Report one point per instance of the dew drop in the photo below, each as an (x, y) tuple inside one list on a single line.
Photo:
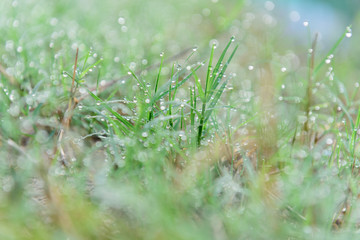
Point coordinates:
[(124, 29), (269, 5), (251, 67), (294, 16), (121, 20), (214, 43), (349, 32), (329, 141)]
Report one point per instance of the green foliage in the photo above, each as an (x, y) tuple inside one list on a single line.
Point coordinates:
[(255, 141)]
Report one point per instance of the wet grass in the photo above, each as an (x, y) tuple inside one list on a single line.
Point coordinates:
[(206, 123)]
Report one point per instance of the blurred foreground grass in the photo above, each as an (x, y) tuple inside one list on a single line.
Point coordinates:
[(169, 128)]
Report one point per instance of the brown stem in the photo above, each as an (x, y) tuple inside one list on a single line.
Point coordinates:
[(11, 79), (310, 85)]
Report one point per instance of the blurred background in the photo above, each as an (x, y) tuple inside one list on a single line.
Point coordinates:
[(38, 42)]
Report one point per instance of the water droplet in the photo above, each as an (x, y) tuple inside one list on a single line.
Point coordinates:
[(144, 134), (250, 67), (161, 54), (328, 61), (147, 100), (54, 21), (121, 20), (269, 5), (329, 141), (283, 86), (116, 59), (283, 69), (294, 16), (306, 23), (349, 32), (214, 43), (124, 29)]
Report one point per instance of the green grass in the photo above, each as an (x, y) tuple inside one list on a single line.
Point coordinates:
[(143, 120)]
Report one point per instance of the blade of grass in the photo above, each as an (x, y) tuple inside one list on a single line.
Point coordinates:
[(353, 140), (125, 122), (332, 50)]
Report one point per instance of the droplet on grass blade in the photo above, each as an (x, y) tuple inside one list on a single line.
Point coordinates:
[(214, 43), (349, 32)]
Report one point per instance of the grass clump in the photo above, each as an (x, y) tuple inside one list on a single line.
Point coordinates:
[(100, 138)]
